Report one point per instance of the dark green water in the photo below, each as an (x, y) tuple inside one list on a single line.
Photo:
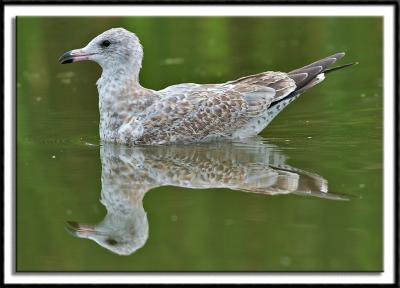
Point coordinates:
[(333, 131)]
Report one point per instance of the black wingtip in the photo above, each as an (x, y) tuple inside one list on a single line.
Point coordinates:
[(323, 63), (340, 67)]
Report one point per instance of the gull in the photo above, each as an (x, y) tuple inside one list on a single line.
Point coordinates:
[(189, 112), (248, 165)]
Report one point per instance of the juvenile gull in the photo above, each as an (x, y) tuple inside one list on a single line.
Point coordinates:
[(183, 113)]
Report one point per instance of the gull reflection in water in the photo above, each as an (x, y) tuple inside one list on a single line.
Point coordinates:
[(128, 173)]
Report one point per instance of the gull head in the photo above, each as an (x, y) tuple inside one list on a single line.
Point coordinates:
[(122, 234), (112, 49)]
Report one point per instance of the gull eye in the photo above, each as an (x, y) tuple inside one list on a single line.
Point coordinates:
[(105, 43), (111, 242)]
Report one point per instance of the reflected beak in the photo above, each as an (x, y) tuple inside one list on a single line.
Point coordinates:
[(79, 230), (73, 56)]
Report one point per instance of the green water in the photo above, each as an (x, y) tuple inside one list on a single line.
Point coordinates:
[(333, 131)]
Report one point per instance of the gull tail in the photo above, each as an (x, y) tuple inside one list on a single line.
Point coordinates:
[(309, 76), (314, 73)]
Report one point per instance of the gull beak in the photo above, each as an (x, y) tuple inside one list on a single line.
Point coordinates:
[(73, 56), (79, 230)]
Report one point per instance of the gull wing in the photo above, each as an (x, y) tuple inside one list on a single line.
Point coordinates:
[(280, 82), (192, 111)]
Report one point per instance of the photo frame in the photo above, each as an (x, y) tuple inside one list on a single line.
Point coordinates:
[(387, 10)]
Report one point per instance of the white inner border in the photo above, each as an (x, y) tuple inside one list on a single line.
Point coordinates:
[(386, 11)]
